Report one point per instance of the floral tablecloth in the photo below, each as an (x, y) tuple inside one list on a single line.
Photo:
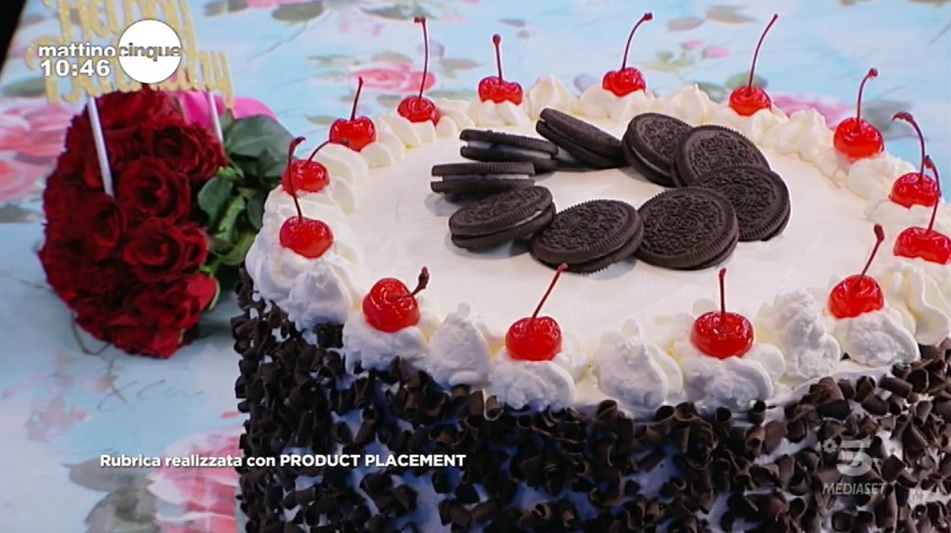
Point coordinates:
[(64, 402)]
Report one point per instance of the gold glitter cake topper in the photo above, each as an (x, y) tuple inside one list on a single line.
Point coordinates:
[(86, 21)]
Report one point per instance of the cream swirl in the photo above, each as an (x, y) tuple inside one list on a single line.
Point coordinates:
[(375, 349), (280, 206), (873, 177), (636, 372), (877, 338), (548, 92), (805, 134), (596, 102), (895, 218), (755, 127), (796, 323), (534, 384), (490, 114), (323, 294), (921, 290), (734, 382), (460, 352), (689, 104)]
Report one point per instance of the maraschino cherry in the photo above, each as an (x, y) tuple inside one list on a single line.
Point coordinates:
[(307, 175), (305, 236), (357, 132), (721, 334), (416, 108), (747, 100), (856, 138), (914, 188), (495, 88), (390, 306), (628, 79), (858, 294), (536, 338), (925, 243)]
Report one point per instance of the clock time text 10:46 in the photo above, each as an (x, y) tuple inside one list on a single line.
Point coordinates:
[(64, 68)]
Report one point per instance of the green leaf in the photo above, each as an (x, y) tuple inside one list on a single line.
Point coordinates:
[(215, 8), (24, 87), (226, 120), (396, 12), (334, 61), (728, 15), (253, 136), (255, 211), (321, 120), (451, 94), (742, 78), (396, 58), (684, 23), (665, 56), (299, 12), (518, 23), (717, 93), (232, 174), (458, 63), (238, 252), (225, 229), (213, 197)]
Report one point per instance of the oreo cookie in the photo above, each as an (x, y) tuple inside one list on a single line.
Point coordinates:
[(468, 180), (501, 218), (650, 143), (487, 145), (759, 197), (690, 228), (590, 236), (581, 145), (707, 149)]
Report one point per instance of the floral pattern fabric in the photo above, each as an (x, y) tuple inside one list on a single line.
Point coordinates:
[(63, 406)]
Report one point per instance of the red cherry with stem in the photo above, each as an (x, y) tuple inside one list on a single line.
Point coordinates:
[(307, 175), (721, 334), (628, 79), (416, 108), (536, 338), (305, 236), (856, 138), (747, 100), (390, 306), (357, 132), (914, 188), (858, 294), (925, 243), (495, 88)]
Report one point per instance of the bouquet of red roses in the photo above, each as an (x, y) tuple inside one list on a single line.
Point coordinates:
[(138, 267)]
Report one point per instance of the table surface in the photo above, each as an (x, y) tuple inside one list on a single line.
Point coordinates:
[(62, 407)]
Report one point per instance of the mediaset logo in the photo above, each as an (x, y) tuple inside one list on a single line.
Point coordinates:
[(851, 461)]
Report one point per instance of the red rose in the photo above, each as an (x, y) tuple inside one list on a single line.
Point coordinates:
[(399, 79), (177, 304), (101, 221), (187, 148), (149, 188), (148, 340), (120, 111), (80, 158), (92, 315), (62, 194), (59, 260), (158, 251)]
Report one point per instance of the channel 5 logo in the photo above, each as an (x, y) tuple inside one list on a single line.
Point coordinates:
[(852, 458)]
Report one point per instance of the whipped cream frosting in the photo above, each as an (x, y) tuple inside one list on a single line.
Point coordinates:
[(796, 340)]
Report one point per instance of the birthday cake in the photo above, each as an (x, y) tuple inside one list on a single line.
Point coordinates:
[(811, 394)]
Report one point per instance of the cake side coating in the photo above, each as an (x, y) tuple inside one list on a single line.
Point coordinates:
[(774, 467)]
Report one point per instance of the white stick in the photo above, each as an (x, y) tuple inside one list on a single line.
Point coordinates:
[(213, 109), (100, 142)]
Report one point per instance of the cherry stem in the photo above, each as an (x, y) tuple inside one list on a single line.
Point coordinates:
[(290, 161), (722, 276), (759, 45), (627, 47), (497, 42), (421, 283), (314, 153), (879, 239), (937, 180), (422, 82), (904, 115), (872, 74), (561, 268), (356, 98)]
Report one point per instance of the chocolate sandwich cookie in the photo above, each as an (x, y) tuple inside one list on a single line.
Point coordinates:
[(710, 148), (590, 236), (581, 144), (487, 145), (649, 145), (501, 218), (759, 197), (688, 229), (467, 180)]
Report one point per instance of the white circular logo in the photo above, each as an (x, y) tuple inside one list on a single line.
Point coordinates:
[(150, 51)]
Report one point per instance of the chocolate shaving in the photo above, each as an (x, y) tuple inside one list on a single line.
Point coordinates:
[(757, 413)]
